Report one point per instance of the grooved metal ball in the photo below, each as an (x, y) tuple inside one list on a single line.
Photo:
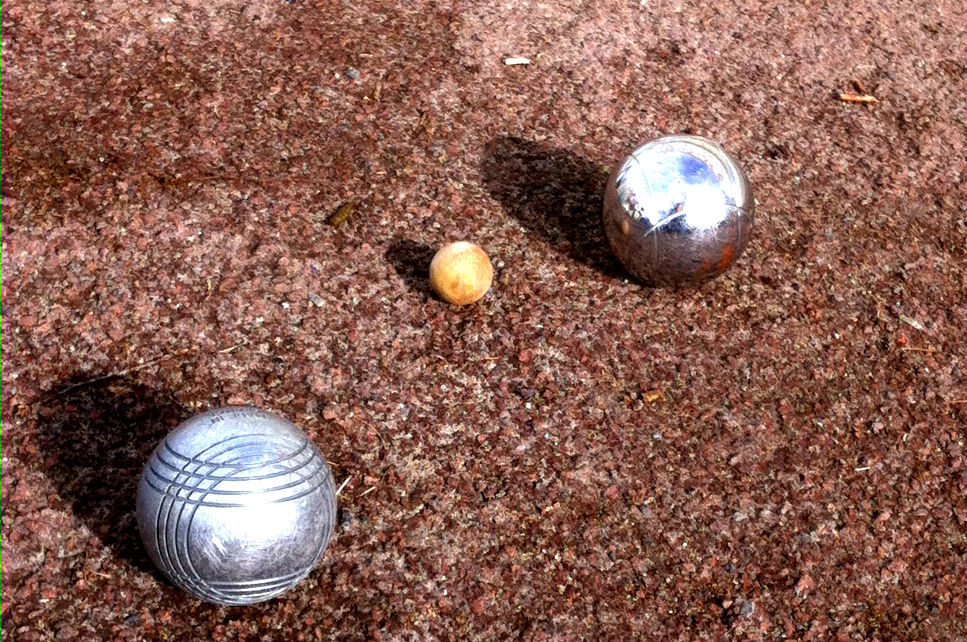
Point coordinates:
[(236, 505), (678, 211)]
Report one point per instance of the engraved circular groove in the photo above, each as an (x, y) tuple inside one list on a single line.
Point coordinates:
[(187, 497)]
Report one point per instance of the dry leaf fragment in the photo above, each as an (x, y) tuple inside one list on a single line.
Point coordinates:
[(343, 213)]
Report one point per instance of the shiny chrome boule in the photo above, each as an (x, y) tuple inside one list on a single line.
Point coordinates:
[(236, 505), (678, 211)]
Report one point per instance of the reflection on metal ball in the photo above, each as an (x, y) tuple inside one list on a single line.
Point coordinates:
[(678, 211), (236, 505)]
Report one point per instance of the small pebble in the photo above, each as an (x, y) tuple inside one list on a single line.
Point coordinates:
[(352, 73)]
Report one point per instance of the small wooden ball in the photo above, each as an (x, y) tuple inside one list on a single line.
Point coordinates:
[(460, 273)]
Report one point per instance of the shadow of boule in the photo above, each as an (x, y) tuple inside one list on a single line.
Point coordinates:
[(98, 437)]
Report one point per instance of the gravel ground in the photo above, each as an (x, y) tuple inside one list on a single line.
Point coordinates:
[(776, 455)]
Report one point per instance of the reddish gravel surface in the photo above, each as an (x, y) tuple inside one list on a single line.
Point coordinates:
[(778, 454)]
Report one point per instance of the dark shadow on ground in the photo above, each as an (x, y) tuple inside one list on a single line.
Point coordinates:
[(555, 193), (411, 260), (97, 438)]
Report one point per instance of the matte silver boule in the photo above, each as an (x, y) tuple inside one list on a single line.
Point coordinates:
[(678, 211), (236, 505)]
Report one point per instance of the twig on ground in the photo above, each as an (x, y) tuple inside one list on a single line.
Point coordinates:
[(233, 348), (117, 373), (126, 371), (847, 97), (343, 485)]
